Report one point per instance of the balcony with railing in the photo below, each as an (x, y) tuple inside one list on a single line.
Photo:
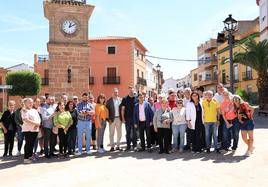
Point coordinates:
[(42, 58), (45, 81), (141, 81), (111, 80), (91, 80), (247, 75), (209, 80)]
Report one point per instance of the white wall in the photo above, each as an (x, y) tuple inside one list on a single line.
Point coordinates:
[(169, 83), (263, 6)]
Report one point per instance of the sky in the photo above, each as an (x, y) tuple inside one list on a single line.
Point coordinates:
[(170, 29)]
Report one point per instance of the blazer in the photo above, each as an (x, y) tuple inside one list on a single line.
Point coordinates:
[(148, 113), (110, 107), (191, 113), (7, 119)]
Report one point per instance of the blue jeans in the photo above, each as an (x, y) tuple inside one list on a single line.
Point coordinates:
[(130, 130), (81, 126), (211, 130), (178, 130), (20, 137), (229, 134)]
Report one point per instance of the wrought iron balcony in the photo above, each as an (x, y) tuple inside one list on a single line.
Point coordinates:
[(141, 81), (111, 80)]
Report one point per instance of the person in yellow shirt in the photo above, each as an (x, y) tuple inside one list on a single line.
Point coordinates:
[(102, 114), (211, 113)]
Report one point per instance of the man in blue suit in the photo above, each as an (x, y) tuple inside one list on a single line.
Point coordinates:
[(143, 117)]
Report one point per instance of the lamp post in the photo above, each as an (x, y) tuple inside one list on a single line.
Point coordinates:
[(230, 25), (158, 67)]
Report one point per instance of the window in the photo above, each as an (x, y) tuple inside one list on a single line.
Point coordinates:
[(0, 80), (223, 76), (111, 50), (235, 72), (137, 53), (138, 73), (195, 77), (111, 72), (142, 75), (46, 72)]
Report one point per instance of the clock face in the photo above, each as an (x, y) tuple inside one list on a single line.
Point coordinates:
[(69, 26)]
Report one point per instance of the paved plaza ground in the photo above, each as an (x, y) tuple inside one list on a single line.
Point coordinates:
[(145, 169)]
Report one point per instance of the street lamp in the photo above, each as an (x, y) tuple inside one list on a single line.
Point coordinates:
[(230, 25), (158, 67)]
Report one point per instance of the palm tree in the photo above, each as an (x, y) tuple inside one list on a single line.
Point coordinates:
[(256, 57)]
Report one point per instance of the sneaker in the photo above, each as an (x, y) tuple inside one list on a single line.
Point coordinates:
[(112, 149), (18, 153), (119, 149), (135, 149), (89, 152), (101, 151), (27, 161), (78, 154), (173, 150), (247, 153)]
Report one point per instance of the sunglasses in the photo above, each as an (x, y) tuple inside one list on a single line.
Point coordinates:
[(236, 99)]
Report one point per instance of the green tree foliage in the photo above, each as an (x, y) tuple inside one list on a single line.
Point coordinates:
[(25, 83)]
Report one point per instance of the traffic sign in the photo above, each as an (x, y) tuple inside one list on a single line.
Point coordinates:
[(6, 86)]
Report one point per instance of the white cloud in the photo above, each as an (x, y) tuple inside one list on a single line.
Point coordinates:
[(14, 24)]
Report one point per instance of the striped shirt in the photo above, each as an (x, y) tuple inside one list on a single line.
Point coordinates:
[(84, 107)]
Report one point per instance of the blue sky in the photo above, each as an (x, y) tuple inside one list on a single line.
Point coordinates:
[(172, 28)]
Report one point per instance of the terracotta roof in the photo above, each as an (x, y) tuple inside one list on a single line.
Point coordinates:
[(118, 38)]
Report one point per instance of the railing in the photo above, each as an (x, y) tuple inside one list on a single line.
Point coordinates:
[(45, 81), (141, 81), (247, 75), (111, 80), (42, 58), (91, 80)]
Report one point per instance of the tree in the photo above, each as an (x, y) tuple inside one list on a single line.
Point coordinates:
[(256, 57), (25, 83)]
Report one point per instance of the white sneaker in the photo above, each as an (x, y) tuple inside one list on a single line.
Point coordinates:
[(27, 161), (101, 151), (78, 154), (89, 152), (248, 153), (18, 153)]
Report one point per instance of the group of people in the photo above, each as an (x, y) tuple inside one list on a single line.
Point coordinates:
[(175, 122)]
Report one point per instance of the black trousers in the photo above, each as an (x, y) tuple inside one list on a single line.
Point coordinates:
[(143, 127), (163, 139), (154, 139), (9, 142), (197, 143), (93, 132), (63, 144), (30, 138), (189, 138), (48, 141), (220, 129)]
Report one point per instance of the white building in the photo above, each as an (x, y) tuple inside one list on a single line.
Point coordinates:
[(150, 77), (263, 6), (184, 82), (169, 83), (20, 67)]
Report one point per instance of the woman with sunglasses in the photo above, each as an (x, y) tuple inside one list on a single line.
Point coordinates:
[(245, 116), (194, 117), (179, 125)]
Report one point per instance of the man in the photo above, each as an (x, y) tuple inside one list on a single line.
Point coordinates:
[(143, 117), (75, 100), (64, 98), (127, 110), (19, 123), (171, 103), (219, 97), (42, 100), (211, 109), (50, 139), (189, 134), (85, 113), (113, 106), (187, 96)]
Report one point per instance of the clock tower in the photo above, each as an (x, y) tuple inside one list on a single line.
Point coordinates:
[(68, 46)]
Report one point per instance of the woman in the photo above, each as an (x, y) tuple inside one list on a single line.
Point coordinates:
[(179, 125), (30, 128), (70, 106), (194, 117), (40, 136), (161, 121), (245, 116), (180, 94), (231, 124), (93, 132), (157, 105), (101, 114), (9, 127), (62, 120)]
